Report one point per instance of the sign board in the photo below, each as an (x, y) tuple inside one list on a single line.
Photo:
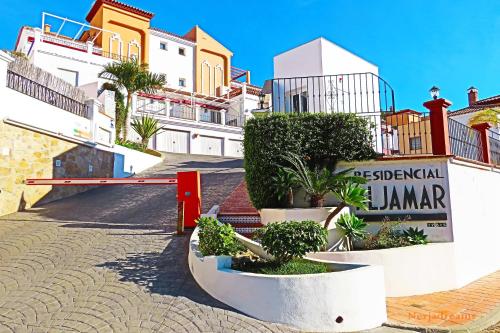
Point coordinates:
[(415, 193)]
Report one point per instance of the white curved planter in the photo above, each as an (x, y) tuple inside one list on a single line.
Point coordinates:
[(411, 270), (269, 215), (351, 298)]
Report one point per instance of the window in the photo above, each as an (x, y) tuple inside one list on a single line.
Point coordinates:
[(415, 143), (163, 46), (182, 51), (68, 76), (299, 102), (182, 82)]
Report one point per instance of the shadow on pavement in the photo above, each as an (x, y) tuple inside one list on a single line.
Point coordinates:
[(165, 273)]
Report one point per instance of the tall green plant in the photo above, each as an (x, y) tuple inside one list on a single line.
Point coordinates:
[(119, 105), (146, 127), (132, 77)]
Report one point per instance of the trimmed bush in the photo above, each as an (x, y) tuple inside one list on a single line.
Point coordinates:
[(293, 239), (217, 239), (323, 139)]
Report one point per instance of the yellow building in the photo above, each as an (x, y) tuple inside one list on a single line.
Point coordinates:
[(409, 132)]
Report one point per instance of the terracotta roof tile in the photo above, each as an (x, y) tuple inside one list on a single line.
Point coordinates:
[(482, 104), (117, 4)]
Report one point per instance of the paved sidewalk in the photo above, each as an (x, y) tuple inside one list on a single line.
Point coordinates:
[(475, 306)]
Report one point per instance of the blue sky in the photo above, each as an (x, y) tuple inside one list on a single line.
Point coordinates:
[(416, 43)]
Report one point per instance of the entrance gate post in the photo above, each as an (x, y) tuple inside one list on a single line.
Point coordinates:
[(189, 192)]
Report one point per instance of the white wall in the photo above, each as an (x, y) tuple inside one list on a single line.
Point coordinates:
[(303, 60), (308, 302), (475, 216), (170, 62), (129, 162), (411, 270)]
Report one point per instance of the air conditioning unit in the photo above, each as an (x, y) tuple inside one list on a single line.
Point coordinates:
[(222, 90)]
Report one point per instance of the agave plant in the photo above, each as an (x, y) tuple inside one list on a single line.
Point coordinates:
[(348, 194), (284, 182), (146, 127), (415, 236), (352, 228)]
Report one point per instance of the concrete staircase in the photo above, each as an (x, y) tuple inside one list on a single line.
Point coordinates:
[(238, 211)]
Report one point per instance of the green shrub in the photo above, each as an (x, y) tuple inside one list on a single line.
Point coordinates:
[(323, 138), (387, 237), (293, 267), (217, 239), (293, 239)]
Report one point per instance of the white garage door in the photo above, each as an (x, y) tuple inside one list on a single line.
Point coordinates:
[(173, 142), (234, 148), (210, 145)]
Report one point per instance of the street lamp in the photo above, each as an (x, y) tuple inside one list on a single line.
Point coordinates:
[(434, 92), (262, 96)]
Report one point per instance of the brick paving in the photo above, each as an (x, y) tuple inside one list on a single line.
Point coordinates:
[(450, 308), (108, 261)]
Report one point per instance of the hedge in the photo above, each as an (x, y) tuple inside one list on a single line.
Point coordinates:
[(323, 139)]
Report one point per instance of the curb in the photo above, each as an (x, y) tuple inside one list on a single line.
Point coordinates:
[(478, 325)]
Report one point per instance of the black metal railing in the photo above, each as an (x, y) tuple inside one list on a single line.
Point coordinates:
[(36, 90), (361, 93), (494, 147), (406, 133), (182, 111), (210, 116), (465, 141), (235, 120), (114, 56)]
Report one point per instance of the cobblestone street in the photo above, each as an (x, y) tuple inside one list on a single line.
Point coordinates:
[(108, 261)]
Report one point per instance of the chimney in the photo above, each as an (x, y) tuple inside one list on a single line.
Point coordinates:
[(46, 28), (472, 93)]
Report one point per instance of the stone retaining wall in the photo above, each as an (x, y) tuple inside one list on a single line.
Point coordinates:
[(29, 154)]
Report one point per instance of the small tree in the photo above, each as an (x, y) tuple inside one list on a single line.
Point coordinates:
[(284, 182), (133, 78), (485, 116), (146, 127)]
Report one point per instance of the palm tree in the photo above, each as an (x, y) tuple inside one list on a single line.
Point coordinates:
[(485, 116), (146, 127), (132, 77)]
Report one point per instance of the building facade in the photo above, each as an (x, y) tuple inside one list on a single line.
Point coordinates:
[(205, 101)]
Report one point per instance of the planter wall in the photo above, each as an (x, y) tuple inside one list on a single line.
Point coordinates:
[(339, 301), (268, 215), (411, 270)]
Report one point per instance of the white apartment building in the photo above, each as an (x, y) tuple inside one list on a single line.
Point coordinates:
[(204, 103)]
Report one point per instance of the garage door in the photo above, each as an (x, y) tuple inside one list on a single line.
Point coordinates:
[(234, 148), (173, 142), (210, 145)]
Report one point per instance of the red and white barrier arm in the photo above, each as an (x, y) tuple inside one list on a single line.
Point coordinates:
[(102, 181)]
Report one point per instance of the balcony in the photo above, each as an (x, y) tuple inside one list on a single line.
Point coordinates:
[(182, 110), (360, 93)]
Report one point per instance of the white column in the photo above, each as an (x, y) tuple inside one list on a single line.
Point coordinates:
[(223, 117), (90, 47), (37, 41), (167, 108), (93, 109)]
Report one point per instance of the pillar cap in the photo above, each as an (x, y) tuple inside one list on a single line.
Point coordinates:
[(437, 103), (481, 126)]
